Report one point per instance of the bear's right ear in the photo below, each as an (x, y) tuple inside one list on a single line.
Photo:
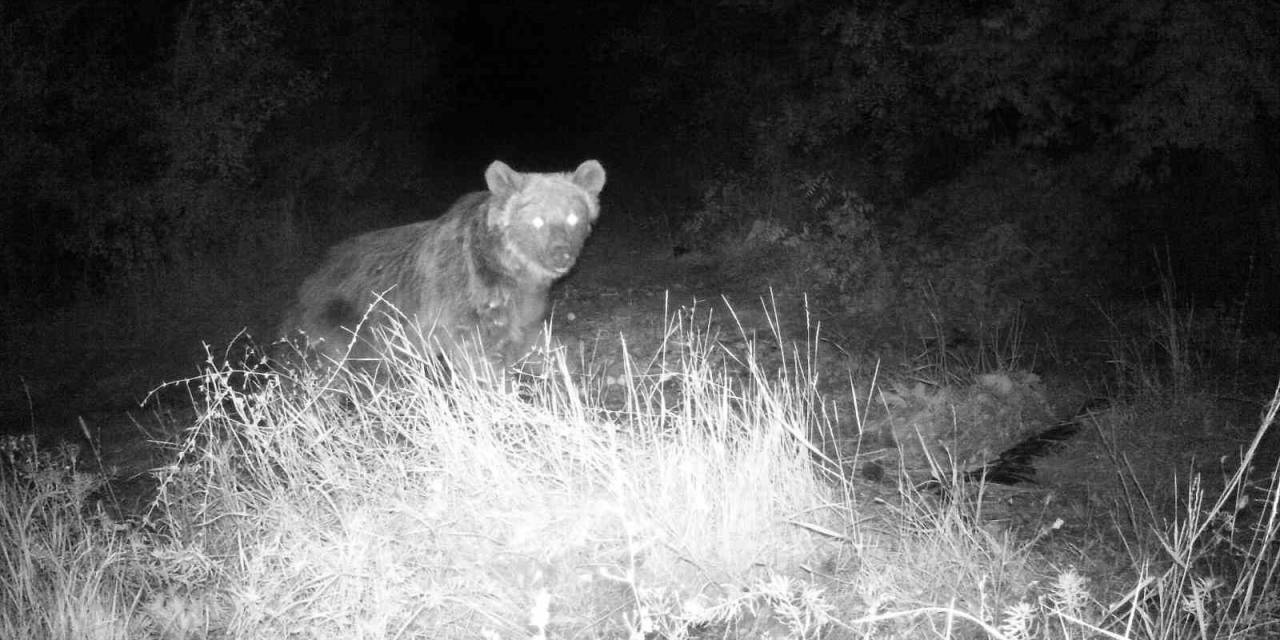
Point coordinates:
[(502, 179)]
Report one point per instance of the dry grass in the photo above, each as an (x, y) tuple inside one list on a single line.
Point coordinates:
[(332, 504)]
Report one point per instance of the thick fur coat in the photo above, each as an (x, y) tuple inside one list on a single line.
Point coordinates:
[(473, 282)]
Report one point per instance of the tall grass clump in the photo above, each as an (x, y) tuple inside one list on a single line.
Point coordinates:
[(443, 504)]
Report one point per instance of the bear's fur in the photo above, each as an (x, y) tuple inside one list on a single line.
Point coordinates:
[(473, 282)]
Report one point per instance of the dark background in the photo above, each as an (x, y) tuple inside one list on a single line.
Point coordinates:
[(214, 147)]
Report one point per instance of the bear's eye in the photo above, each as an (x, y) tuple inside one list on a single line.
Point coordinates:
[(572, 220), (537, 222)]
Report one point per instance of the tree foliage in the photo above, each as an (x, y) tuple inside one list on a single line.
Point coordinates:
[(65, 121), (1128, 103), (139, 140), (1125, 82)]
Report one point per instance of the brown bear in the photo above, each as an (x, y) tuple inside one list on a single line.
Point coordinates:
[(472, 283)]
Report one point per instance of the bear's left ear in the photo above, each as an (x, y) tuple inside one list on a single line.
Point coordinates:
[(502, 179), (590, 176)]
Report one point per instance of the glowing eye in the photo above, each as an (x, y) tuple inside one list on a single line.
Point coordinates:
[(572, 220), (537, 223)]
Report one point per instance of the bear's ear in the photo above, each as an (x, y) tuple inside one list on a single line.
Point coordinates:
[(590, 176), (502, 179)]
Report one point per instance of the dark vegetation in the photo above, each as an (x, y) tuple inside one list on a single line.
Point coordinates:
[(939, 172), (1027, 150)]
